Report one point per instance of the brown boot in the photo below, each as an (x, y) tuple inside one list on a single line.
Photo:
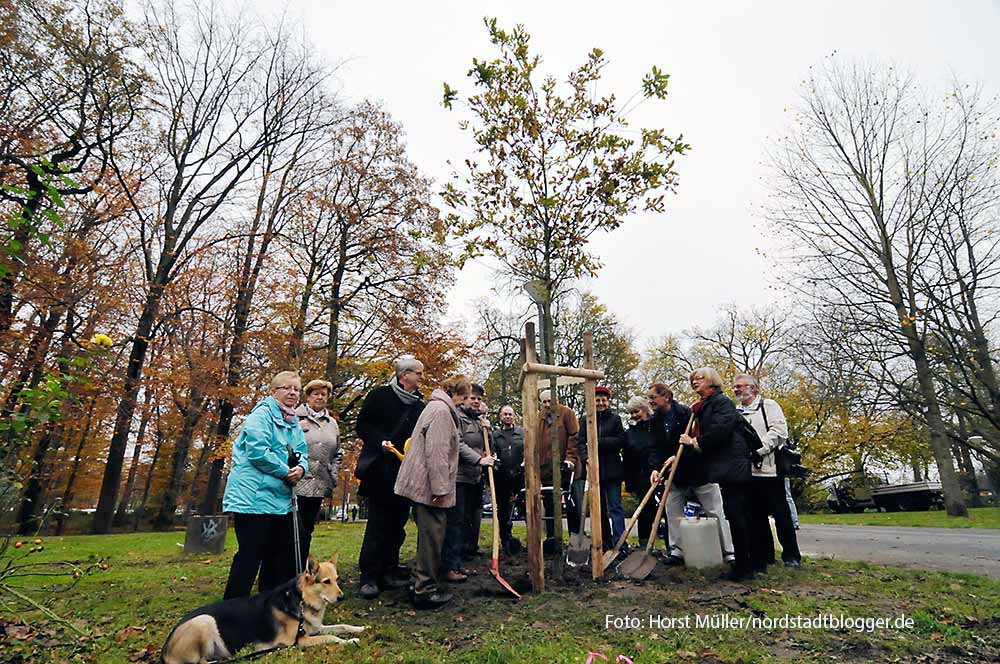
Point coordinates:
[(454, 576)]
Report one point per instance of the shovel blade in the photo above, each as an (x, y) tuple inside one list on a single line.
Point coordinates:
[(638, 565), (578, 552), (495, 571)]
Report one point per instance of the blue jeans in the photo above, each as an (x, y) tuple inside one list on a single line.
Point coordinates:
[(791, 503), (612, 493)]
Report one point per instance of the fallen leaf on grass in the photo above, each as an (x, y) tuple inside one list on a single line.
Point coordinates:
[(459, 618), (937, 636), (971, 619), (144, 655), (687, 654), (955, 586)]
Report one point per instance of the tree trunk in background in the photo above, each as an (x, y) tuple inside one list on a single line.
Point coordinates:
[(67, 497), (123, 504)]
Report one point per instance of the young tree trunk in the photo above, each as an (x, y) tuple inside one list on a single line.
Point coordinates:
[(140, 512), (27, 523), (124, 503), (67, 497), (165, 517)]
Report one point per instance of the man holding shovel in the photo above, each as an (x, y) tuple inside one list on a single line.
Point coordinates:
[(669, 419)]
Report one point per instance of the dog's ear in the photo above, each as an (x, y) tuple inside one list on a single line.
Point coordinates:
[(333, 558), (312, 566)]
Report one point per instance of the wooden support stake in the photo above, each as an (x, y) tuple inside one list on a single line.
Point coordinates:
[(532, 481), (593, 464)]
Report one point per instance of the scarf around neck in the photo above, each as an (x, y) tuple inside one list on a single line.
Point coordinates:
[(408, 398)]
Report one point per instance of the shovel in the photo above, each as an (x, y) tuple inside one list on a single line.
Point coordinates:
[(495, 560), (579, 543), (640, 563), (609, 556)]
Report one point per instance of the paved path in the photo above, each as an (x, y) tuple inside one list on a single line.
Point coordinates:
[(968, 550)]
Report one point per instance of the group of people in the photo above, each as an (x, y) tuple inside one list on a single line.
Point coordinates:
[(428, 458)]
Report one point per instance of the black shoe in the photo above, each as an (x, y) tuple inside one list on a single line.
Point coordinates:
[(673, 561), (738, 575), (434, 600), (369, 591), (394, 583), (760, 569), (793, 563)]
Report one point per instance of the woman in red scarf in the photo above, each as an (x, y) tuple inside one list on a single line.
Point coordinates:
[(719, 440)]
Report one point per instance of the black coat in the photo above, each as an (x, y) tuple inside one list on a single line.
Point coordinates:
[(691, 470), (610, 442), (723, 444), (383, 416), (510, 450), (639, 456)]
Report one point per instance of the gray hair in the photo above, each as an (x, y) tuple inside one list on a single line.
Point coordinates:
[(406, 363), (282, 376), (709, 374), (639, 403), (750, 380)]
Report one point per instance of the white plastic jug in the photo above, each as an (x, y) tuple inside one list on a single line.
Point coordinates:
[(700, 540)]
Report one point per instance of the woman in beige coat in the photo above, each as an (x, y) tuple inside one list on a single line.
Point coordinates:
[(323, 437), (427, 477)]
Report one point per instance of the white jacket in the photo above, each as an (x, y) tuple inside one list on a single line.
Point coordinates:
[(773, 435)]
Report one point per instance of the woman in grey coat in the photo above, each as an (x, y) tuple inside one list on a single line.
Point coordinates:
[(323, 438), (427, 477)]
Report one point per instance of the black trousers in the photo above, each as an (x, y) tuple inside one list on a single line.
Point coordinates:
[(506, 491), (768, 499), (456, 539), (736, 503), (384, 535), (264, 545), (308, 511)]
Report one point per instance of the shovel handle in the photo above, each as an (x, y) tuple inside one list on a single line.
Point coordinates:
[(666, 490), (493, 498)]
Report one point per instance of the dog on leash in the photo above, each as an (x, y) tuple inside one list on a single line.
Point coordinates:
[(267, 620)]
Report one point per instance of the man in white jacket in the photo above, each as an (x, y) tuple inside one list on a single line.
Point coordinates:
[(767, 489)]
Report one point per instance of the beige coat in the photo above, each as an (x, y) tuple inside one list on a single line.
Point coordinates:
[(323, 437), (431, 462)]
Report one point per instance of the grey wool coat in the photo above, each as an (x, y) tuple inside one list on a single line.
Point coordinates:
[(431, 462)]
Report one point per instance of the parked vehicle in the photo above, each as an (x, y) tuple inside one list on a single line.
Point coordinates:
[(853, 496)]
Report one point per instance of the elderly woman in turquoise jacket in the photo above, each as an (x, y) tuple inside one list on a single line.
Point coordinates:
[(259, 489)]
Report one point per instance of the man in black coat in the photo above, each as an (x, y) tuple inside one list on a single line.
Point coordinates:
[(610, 443), (509, 476), (670, 419), (386, 420)]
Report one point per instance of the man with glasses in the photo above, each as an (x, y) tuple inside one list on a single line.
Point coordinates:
[(670, 419), (386, 420), (767, 489)]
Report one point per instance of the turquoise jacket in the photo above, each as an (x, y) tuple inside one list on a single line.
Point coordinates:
[(260, 462)]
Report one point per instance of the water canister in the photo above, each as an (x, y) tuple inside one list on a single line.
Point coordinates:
[(700, 540)]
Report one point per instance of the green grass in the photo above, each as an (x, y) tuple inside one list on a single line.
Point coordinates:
[(129, 609), (979, 517)]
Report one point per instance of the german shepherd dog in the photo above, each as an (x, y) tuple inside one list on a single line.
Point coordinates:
[(267, 620)]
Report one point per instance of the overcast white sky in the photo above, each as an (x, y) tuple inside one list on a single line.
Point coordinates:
[(734, 66)]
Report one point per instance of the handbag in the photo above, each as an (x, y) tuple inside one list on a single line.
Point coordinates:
[(786, 460)]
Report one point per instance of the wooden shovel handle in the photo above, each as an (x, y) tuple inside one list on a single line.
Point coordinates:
[(493, 498), (666, 489)]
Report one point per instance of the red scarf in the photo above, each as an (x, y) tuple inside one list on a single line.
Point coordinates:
[(696, 408)]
